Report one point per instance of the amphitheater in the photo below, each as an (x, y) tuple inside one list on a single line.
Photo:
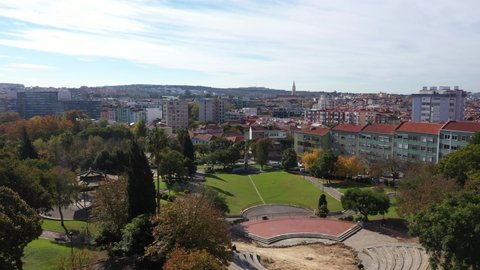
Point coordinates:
[(268, 225)]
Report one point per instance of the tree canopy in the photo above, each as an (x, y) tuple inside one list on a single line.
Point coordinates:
[(289, 159), (459, 164), (19, 225), (324, 166), (191, 223), (366, 202), (449, 231)]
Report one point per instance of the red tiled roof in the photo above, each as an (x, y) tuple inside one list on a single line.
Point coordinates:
[(462, 126), (205, 137), (380, 128), (235, 138), (315, 130), (348, 127), (420, 127)]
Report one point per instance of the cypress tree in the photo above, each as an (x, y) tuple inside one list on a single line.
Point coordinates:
[(141, 190), (27, 150)]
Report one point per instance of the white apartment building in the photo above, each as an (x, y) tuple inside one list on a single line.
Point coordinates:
[(438, 104), (175, 113), (212, 110)]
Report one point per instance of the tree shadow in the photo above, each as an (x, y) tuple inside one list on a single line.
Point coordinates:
[(214, 176), (394, 227), (219, 190)]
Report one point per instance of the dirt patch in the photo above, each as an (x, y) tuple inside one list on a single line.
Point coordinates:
[(303, 257)]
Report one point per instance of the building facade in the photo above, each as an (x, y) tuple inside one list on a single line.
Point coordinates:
[(438, 104), (307, 139), (212, 110), (41, 103), (375, 141), (175, 113), (416, 141), (455, 135), (344, 139)]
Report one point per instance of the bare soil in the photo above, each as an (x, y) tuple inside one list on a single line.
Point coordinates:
[(303, 257)]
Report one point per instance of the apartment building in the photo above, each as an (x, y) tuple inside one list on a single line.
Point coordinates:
[(375, 141), (175, 113), (309, 138), (415, 141), (455, 135), (212, 110), (438, 104), (344, 139)]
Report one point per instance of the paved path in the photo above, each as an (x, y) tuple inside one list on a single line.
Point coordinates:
[(254, 186), (329, 190)]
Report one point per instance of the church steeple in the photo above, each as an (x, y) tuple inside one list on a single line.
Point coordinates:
[(294, 89)]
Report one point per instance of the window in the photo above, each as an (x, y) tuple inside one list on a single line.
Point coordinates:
[(447, 136), (455, 137)]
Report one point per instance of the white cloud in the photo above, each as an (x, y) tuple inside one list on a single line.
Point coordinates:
[(326, 44), (29, 66)]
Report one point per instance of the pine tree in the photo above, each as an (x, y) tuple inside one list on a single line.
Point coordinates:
[(188, 150), (27, 150), (141, 190)]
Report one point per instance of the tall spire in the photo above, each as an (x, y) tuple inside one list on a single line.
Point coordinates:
[(294, 89)]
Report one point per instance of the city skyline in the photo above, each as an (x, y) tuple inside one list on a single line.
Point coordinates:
[(356, 47)]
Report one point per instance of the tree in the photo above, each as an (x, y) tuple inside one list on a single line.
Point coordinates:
[(218, 200), (191, 223), (324, 166), (475, 138), (19, 225), (140, 129), (308, 158), (366, 202), (420, 188), (141, 191), (173, 165), (156, 145), (181, 259), (449, 231), (26, 148), (262, 147), (110, 209), (348, 166), (459, 164), (323, 206), (64, 190), (29, 178), (136, 235), (188, 150), (289, 159)]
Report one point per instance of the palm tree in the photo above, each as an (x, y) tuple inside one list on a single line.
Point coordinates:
[(156, 146)]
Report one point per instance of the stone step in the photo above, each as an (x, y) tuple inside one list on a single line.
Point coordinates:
[(394, 257)]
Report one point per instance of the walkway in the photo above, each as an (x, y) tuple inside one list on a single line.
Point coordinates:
[(329, 190)]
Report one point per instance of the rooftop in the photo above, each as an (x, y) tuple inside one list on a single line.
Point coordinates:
[(420, 127), (381, 128), (462, 126), (348, 127)]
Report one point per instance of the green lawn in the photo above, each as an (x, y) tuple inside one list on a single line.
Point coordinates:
[(283, 187), (43, 254), (76, 225), (238, 190), (274, 187)]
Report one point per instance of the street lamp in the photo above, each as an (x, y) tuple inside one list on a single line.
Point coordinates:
[(71, 246)]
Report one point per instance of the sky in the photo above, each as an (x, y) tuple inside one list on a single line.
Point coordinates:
[(323, 45)]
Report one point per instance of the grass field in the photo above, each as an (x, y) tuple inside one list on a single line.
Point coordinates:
[(43, 254), (76, 225), (274, 187)]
